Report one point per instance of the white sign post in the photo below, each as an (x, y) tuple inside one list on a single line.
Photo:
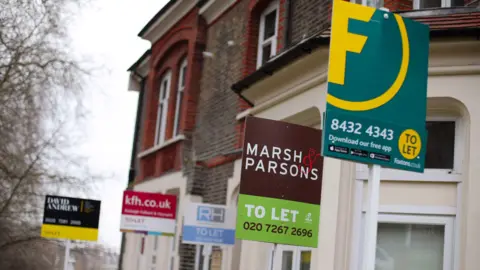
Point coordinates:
[(66, 260), (207, 252), (371, 219)]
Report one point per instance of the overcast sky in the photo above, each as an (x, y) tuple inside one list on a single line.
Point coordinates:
[(108, 31)]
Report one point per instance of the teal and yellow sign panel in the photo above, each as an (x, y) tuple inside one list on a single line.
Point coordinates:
[(377, 88)]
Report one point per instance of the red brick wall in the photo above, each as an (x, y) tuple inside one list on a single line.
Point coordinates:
[(184, 40), (397, 5)]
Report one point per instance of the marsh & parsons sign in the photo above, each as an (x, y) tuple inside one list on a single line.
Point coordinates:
[(377, 88), (280, 186)]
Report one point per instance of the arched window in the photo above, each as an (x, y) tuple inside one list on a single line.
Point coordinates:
[(182, 73), (162, 109)]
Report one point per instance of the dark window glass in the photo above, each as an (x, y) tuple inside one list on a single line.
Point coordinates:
[(270, 21), (267, 50), (440, 145), (458, 3), (182, 79), (164, 89), (160, 113), (430, 3), (179, 104)]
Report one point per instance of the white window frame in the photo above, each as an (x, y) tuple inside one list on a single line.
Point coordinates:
[(182, 73), (273, 6), (453, 214), (429, 175), (297, 251), (447, 221), (161, 125)]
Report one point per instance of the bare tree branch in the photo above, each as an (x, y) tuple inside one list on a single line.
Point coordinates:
[(41, 95)]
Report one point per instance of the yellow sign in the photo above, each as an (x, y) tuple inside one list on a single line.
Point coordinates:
[(343, 41), (409, 144), (69, 232)]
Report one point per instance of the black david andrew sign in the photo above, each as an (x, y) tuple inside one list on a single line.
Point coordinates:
[(70, 218)]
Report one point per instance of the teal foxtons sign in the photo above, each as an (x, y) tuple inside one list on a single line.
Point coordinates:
[(281, 183), (377, 88)]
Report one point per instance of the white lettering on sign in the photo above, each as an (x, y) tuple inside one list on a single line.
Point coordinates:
[(210, 232), (136, 201), (279, 163), (285, 215), (259, 210), (61, 205)]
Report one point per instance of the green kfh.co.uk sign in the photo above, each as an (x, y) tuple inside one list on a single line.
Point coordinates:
[(280, 184), (377, 88)]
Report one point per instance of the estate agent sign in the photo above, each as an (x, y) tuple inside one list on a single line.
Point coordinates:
[(70, 218), (281, 181), (148, 213), (377, 88), (209, 224)]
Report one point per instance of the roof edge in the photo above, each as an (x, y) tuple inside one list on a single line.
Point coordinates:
[(433, 12), (307, 46), (157, 16), (144, 56)]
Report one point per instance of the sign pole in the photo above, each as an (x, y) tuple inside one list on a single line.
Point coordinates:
[(371, 220), (207, 251), (274, 251), (66, 260)]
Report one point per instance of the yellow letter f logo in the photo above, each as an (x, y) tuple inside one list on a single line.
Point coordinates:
[(341, 40)]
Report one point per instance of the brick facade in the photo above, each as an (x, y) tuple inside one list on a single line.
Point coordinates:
[(216, 136), (185, 40), (308, 17)]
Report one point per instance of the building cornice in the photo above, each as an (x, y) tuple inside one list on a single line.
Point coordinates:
[(215, 8), (166, 18)]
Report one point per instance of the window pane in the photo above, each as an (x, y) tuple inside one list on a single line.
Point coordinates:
[(409, 247), (164, 90), (270, 20), (458, 3), (183, 75), (178, 113), (440, 145), (287, 260), (159, 121), (267, 50), (305, 257), (430, 3)]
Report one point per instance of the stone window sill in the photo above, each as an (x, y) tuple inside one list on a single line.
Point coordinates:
[(161, 146)]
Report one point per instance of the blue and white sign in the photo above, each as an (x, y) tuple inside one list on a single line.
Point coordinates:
[(209, 224)]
